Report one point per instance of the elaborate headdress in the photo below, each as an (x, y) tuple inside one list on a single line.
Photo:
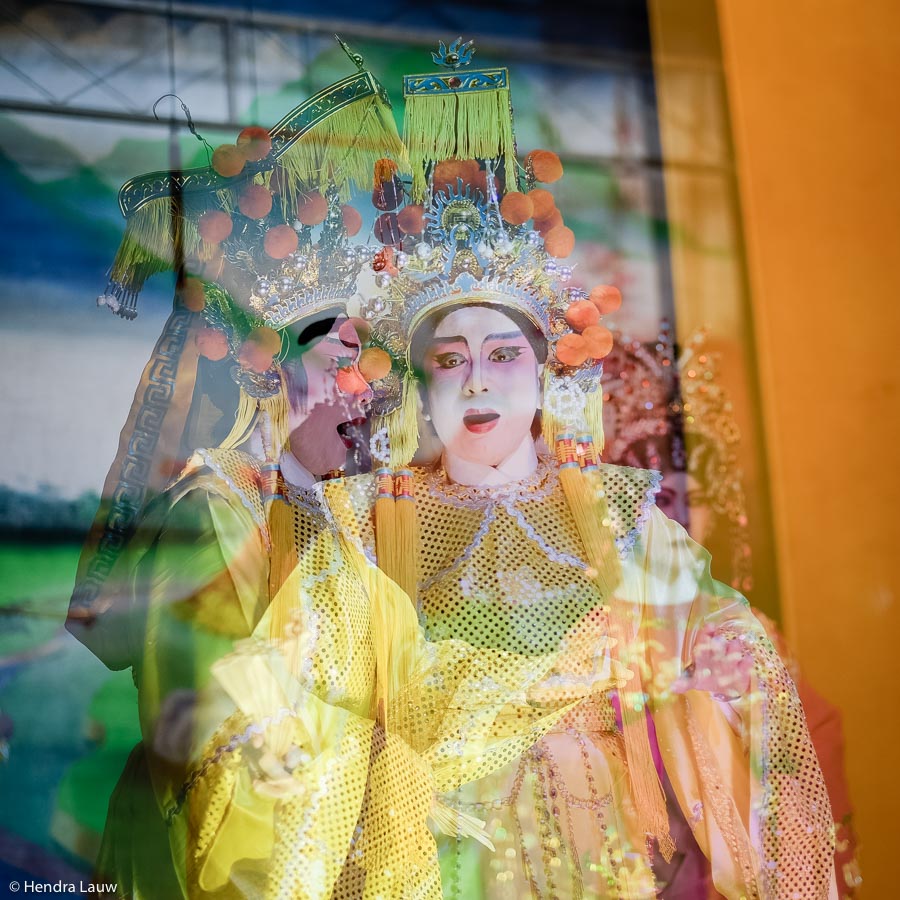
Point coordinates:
[(476, 228), (260, 240)]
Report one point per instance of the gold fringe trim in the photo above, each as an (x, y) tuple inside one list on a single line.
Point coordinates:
[(247, 416), (341, 149), (244, 421), (148, 244), (475, 125), (344, 148)]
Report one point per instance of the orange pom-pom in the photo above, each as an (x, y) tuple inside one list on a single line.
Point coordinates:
[(479, 183), (387, 229), (543, 226), (252, 356), (572, 350), (450, 171), (374, 363), (516, 208), (385, 170), (255, 202), (352, 220), (192, 294), (312, 209), (411, 219), (543, 202), (349, 380), (214, 226), (212, 344), (582, 314), (280, 241), (228, 161), (599, 341), (266, 339), (559, 241), (545, 165), (254, 142), (606, 298)]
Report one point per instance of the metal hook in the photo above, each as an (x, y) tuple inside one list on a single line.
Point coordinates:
[(187, 114)]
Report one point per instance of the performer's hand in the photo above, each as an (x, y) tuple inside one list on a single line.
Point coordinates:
[(720, 667)]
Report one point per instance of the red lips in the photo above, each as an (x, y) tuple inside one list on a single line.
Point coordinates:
[(480, 421)]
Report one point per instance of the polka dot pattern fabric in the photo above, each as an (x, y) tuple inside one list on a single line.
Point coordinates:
[(503, 570)]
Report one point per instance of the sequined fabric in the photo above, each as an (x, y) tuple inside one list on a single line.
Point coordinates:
[(504, 570), (345, 727)]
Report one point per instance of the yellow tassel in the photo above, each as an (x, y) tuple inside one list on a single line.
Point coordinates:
[(593, 417), (283, 561), (590, 421), (587, 501), (394, 623), (385, 521), (244, 422), (402, 424), (586, 498), (476, 125), (341, 149), (550, 425), (279, 418), (406, 551), (649, 799), (247, 416), (454, 822)]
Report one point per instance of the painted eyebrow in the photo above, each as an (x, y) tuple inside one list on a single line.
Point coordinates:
[(459, 339), (505, 336)]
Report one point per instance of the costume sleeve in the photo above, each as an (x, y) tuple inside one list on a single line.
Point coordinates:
[(189, 583), (197, 553), (745, 772), (299, 781), (200, 586), (299, 794)]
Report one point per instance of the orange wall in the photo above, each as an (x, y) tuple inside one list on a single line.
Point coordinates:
[(812, 96)]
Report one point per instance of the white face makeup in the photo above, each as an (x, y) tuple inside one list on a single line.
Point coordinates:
[(336, 399), (483, 385)]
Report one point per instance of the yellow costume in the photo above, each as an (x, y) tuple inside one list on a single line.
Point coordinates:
[(346, 724), (563, 557), (503, 567)]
